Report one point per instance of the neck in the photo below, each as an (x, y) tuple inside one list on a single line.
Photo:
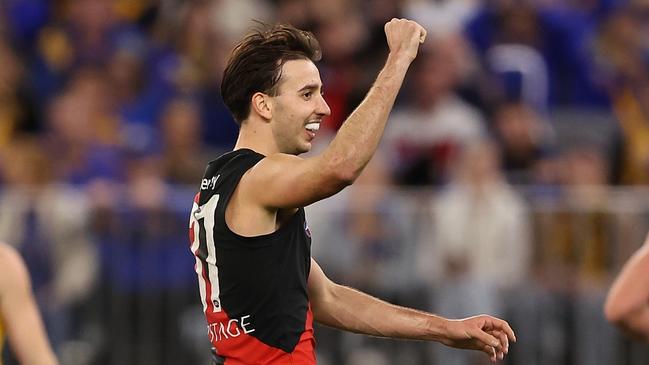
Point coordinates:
[(257, 136)]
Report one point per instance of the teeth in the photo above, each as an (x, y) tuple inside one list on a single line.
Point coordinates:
[(313, 127)]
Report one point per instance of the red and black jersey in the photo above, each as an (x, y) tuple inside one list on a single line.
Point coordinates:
[(253, 289)]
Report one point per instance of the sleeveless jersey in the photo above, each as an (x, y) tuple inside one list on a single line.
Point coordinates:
[(253, 289)]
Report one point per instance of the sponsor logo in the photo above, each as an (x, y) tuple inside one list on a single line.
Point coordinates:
[(220, 331), (209, 183)]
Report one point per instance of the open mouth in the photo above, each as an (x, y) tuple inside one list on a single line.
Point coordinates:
[(313, 127)]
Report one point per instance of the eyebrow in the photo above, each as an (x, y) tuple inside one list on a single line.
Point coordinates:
[(310, 87)]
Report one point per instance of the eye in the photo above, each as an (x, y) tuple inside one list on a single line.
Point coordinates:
[(307, 95)]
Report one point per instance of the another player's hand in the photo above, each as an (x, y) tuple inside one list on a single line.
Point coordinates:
[(404, 37), (483, 333)]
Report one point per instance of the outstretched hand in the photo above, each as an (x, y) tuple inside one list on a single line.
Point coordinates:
[(483, 333)]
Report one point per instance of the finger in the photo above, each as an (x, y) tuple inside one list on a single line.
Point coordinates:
[(502, 336), (491, 352), (387, 25), (504, 349), (485, 338), (499, 324), (422, 35)]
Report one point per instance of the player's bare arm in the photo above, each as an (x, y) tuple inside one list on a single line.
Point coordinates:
[(286, 181), (26, 333), (348, 309), (627, 304)]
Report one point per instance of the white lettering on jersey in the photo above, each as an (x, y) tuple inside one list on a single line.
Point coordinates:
[(209, 183), (220, 331), (206, 212)]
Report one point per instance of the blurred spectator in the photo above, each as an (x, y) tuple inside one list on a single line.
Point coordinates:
[(571, 241), (477, 218), (587, 127), (586, 173), (48, 225), (192, 67), (441, 17), (26, 174), (24, 19), (426, 134), (525, 141), (573, 256), (367, 241), (233, 17), (559, 33), (84, 133), (128, 81), (521, 74), (53, 59), (371, 229), (17, 109), (146, 279), (90, 25), (295, 12), (623, 53), (184, 157), (342, 34), (479, 247), (377, 228)]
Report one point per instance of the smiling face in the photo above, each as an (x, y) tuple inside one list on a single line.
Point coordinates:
[(298, 107)]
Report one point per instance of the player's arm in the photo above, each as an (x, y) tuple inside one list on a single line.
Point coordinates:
[(284, 181), (351, 310), (627, 304), (25, 330)]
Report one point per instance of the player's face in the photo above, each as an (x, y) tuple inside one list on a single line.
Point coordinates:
[(299, 107)]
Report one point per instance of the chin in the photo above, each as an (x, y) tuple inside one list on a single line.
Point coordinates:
[(303, 148)]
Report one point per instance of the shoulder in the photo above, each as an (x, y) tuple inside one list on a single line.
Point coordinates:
[(232, 162), (268, 168), (276, 161), (272, 164), (276, 177)]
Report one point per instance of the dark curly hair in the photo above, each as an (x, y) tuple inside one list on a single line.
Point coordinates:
[(255, 64)]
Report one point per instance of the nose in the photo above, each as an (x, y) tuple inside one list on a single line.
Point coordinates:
[(323, 108)]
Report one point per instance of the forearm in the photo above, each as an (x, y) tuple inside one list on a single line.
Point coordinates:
[(359, 136), (636, 323), (348, 309), (354, 311), (28, 338), (627, 304)]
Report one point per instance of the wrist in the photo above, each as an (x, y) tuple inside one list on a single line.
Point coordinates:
[(399, 60), (438, 329)]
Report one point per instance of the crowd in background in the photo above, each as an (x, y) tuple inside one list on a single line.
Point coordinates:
[(492, 184)]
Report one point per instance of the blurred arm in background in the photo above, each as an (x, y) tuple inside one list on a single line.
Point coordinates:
[(19, 313), (627, 304)]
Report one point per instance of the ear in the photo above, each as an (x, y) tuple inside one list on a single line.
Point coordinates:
[(261, 104)]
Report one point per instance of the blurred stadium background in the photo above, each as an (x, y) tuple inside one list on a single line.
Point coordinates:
[(512, 178)]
